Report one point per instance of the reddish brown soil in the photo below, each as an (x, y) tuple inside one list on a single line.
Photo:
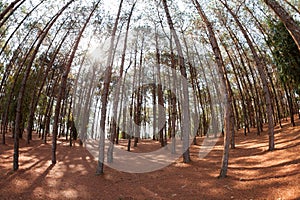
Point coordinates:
[(253, 173)]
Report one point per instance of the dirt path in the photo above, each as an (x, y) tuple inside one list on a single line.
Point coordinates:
[(254, 173)]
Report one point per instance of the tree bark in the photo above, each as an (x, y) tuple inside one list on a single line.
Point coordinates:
[(63, 85), (185, 104), (225, 86), (6, 12), (262, 75), (18, 121), (104, 96), (287, 20)]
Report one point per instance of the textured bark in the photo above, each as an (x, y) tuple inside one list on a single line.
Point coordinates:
[(19, 25), (18, 121), (263, 78), (287, 20), (104, 96), (226, 87), (63, 84), (185, 104), (8, 11)]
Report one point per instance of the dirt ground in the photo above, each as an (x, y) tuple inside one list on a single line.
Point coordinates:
[(253, 173)]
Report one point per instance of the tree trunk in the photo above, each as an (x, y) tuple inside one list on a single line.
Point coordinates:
[(228, 99), (139, 99), (34, 101), (24, 82), (290, 103), (6, 12), (287, 20), (104, 96), (159, 89), (263, 77), (7, 72), (63, 85), (185, 104), (114, 134), (19, 25)]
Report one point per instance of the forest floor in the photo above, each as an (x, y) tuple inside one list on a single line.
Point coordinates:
[(253, 173)]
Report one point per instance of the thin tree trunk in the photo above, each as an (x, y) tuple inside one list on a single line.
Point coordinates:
[(19, 25), (159, 89), (185, 104), (290, 103), (104, 97), (139, 99), (117, 92), (37, 95), (262, 76), (173, 99), (9, 10), (63, 84), (18, 121), (228, 99)]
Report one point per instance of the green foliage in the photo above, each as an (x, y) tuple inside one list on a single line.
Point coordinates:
[(285, 53)]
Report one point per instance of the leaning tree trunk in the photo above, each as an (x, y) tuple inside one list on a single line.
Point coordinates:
[(231, 94), (228, 99), (7, 72), (262, 75), (63, 85), (292, 6), (263, 31), (186, 130), (21, 93), (37, 94), (19, 25), (287, 20), (104, 96), (8, 11)]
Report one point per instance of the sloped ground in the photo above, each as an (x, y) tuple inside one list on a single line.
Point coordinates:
[(254, 173)]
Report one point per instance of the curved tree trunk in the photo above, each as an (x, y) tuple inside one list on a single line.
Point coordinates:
[(185, 104), (7, 73), (104, 96), (37, 94), (6, 12), (18, 120), (287, 20), (262, 75), (63, 84), (19, 25), (229, 125)]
